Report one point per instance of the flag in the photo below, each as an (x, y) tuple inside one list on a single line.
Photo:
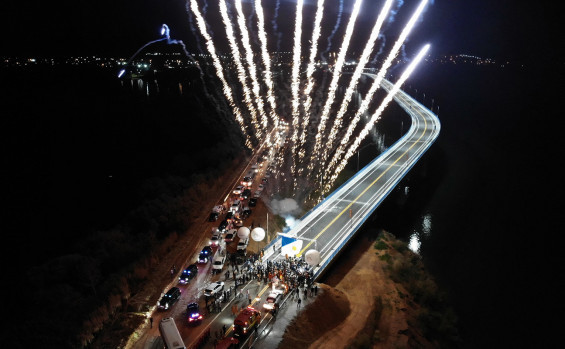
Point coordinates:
[(290, 246)]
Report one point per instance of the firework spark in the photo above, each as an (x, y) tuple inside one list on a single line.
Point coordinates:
[(228, 93), (369, 97), (251, 65), (266, 62), (356, 76), (309, 72), (295, 83), (376, 116), (334, 83)]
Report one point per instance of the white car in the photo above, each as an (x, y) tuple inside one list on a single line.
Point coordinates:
[(273, 300), (238, 189), (213, 289), (257, 194), (242, 244), (236, 206), (216, 239)]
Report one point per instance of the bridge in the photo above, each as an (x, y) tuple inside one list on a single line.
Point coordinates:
[(329, 226)]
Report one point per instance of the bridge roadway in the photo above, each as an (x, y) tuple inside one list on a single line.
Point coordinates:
[(329, 226)]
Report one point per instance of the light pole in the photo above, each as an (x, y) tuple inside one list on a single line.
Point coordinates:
[(358, 151)]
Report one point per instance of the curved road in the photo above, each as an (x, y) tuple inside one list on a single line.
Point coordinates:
[(329, 225)]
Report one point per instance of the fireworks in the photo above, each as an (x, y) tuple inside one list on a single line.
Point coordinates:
[(254, 100), (333, 85), (369, 97)]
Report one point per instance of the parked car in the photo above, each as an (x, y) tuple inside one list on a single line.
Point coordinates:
[(193, 314), (218, 262), (205, 254), (242, 244), (236, 206), (170, 298), (252, 202), (238, 189), (216, 239), (247, 181), (188, 274), (229, 216), (213, 216), (223, 225), (246, 213), (213, 289), (246, 194), (230, 235), (273, 301)]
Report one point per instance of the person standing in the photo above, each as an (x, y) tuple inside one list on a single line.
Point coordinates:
[(299, 301), (151, 322)]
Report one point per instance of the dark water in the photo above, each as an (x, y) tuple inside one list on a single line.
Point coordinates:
[(78, 145), (482, 202)]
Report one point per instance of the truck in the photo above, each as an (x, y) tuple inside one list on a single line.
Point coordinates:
[(246, 321), (218, 261)]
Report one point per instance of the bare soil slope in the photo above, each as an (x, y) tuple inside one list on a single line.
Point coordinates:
[(378, 313)]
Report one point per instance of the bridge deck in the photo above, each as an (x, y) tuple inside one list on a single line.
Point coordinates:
[(330, 225)]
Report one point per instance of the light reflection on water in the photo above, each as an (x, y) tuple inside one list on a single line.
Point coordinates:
[(423, 232), (414, 243)]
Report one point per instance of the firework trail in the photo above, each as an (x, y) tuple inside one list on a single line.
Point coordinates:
[(336, 26), (309, 72), (251, 65), (228, 93), (295, 82), (356, 76), (275, 25), (242, 75), (380, 75), (333, 84), (266, 62), (376, 116)]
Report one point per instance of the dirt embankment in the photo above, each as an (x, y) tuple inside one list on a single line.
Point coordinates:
[(330, 308), (360, 307)]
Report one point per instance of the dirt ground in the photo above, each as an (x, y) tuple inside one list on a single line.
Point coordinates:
[(344, 309)]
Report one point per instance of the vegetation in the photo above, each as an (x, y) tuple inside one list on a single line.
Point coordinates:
[(71, 297), (435, 319)]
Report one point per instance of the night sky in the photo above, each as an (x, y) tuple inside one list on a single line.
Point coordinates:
[(500, 29)]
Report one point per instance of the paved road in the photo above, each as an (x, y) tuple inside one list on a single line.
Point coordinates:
[(328, 226)]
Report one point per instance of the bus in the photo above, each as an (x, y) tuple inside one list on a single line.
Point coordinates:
[(170, 334)]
